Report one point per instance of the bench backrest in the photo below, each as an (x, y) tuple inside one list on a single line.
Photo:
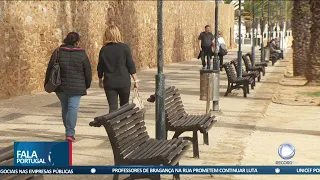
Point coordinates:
[(235, 64), (246, 62), (174, 108), (126, 130), (232, 76), (249, 55)]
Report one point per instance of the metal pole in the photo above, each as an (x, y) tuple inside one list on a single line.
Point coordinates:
[(268, 20), (253, 39), (160, 81), (215, 81), (239, 72), (262, 32)]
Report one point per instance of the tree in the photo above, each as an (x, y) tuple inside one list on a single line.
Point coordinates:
[(313, 73), (301, 36)]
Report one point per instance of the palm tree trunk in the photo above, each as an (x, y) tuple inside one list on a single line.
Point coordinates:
[(301, 22), (313, 73)]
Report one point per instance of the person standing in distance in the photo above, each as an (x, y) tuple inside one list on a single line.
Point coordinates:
[(115, 67), (205, 43), (76, 77)]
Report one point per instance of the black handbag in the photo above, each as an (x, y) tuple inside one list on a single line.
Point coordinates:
[(223, 50), (54, 78)]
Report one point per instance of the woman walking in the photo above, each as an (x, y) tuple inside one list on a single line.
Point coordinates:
[(222, 49), (115, 68), (76, 76)]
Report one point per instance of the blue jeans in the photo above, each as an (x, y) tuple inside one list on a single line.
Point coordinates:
[(69, 105)]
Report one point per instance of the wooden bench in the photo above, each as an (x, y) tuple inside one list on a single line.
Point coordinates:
[(252, 74), (235, 82), (7, 159), (249, 66), (263, 63), (132, 145), (179, 121)]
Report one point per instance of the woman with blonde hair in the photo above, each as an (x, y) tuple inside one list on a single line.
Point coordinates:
[(115, 68)]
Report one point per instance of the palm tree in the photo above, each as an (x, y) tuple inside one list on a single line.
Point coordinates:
[(313, 73), (301, 36)]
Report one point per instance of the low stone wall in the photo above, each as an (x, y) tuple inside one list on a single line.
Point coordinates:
[(31, 30)]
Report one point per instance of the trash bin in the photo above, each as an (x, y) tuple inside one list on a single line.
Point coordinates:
[(205, 82)]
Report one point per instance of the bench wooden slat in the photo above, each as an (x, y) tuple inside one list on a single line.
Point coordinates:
[(168, 100), (116, 113), (122, 116), (132, 130), (174, 111), (136, 145), (136, 154), (150, 150), (174, 117), (130, 122), (123, 122), (136, 136), (162, 148)]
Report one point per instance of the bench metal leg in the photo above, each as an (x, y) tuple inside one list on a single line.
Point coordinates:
[(228, 89), (195, 145), (115, 176), (244, 91), (259, 77), (177, 134), (176, 176), (206, 138)]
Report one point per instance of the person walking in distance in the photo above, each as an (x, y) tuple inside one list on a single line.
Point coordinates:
[(76, 76), (206, 48), (222, 49), (115, 67)]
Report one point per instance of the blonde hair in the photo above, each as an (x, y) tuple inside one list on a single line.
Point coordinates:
[(112, 34)]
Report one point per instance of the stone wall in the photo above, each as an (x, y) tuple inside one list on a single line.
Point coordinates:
[(30, 31)]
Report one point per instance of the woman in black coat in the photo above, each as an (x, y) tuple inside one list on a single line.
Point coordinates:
[(76, 76), (115, 68)]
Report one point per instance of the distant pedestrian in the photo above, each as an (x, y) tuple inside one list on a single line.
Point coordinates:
[(76, 76), (205, 45), (115, 68)]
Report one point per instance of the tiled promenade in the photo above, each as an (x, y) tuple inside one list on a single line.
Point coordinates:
[(249, 130)]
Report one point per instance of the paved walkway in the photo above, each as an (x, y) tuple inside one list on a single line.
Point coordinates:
[(248, 132)]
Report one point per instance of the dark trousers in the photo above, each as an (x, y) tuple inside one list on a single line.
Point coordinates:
[(113, 94), (206, 51), (221, 61)]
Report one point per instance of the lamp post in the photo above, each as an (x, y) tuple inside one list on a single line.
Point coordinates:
[(281, 33), (239, 72), (253, 39), (268, 20), (160, 81), (216, 72), (262, 24)]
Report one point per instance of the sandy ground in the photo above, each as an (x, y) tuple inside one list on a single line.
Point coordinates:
[(248, 132)]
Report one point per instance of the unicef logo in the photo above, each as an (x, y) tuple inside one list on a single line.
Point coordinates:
[(286, 151)]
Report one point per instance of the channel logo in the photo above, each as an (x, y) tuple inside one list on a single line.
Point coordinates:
[(286, 151), (42, 154)]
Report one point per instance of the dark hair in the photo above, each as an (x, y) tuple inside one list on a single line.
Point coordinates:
[(71, 38), (206, 26)]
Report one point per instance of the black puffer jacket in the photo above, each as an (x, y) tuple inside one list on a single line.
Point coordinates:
[(75, 70)]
